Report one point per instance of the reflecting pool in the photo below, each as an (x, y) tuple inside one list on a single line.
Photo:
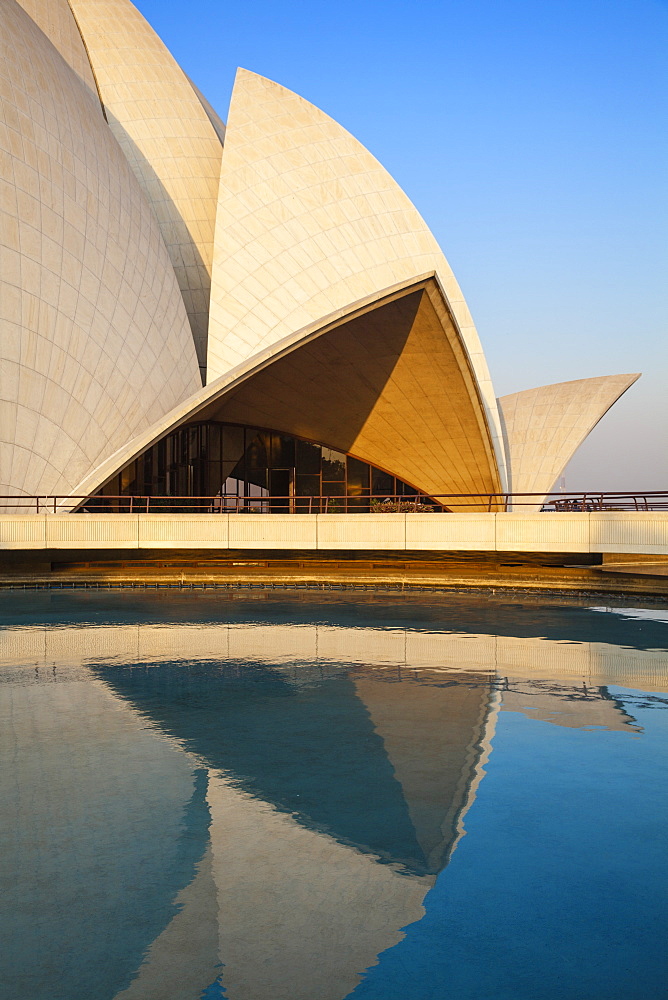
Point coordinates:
[(266, 796)]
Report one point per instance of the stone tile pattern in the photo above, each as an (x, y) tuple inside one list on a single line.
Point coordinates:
[(308, 223), (167, 136), (95, 343), (545, 426), (56, 20), (211, 113)]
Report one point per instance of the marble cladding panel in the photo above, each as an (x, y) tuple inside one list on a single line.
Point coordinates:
[(545, 426), (95, 340), (309, 222), (547, 532), (203, 531), (25, 531), (170, 136), (273, 531), (624, 532), (343, 531), (619, 531), (451, 532), (72, 530), (55, 19)]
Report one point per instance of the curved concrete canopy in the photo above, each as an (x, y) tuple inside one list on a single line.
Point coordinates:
[(544, 427), (55, 19), (308, 222), (389, 381), (95, 341), (166, 134), (391, 387)]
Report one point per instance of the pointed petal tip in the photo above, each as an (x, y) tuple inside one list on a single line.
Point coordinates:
[(243, 73)]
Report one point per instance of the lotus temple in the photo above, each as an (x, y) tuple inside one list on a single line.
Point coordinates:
[(254, 309)]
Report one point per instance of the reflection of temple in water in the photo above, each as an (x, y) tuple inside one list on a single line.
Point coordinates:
[(325, 782)]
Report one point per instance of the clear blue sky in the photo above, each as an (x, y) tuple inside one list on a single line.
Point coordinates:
[(531, 135)]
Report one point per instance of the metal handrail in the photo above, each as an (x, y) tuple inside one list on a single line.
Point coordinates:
[(656, 500)]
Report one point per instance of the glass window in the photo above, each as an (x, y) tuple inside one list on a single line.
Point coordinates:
[(256, 478), (359, 504), (193, 440), (333, 466), (128, 479), (405, 490), (232, 488), (212, 444), (333, 489), (279, 487), (358, 477), (382, 484), (256, 453), (209, 478), (148, 472), (307, 486), (205, 459), (282, 451), (257, 466), (307, 458), (138, 486), (233, 443)]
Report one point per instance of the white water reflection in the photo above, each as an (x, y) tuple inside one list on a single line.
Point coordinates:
[(642, 614)]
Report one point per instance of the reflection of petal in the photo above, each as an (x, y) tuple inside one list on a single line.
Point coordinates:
[(250, 722), (575, 708), (182, 961), (434, 737), (106, 829), (301, 916)]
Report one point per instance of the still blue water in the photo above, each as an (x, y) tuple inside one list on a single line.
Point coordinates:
[(314, 797)]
